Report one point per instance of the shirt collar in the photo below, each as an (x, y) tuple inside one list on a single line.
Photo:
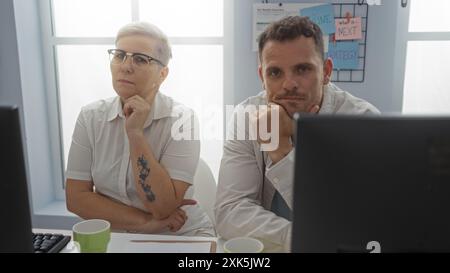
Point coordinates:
[(328, 102), (115, 109), (161, 108)]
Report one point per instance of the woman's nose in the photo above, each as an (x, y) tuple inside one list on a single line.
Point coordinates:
[(127, 64)]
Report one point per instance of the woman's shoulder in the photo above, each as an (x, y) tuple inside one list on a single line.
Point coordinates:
[(174, 108), (98, 108), (99, 105), (96, 113)]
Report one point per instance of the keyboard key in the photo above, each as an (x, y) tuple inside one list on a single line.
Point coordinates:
[(49, 243), (44, 248)]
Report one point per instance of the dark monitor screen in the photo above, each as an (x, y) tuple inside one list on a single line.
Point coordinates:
[(364, 184), (15, 228)]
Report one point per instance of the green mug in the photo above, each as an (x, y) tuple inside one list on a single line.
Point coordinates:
[(92, 236)]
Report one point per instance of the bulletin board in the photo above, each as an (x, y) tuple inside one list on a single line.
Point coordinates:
[(357, 10), (265, 13)]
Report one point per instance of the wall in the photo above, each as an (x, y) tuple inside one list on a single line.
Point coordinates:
[(10, 85), (10, 80), (378, 87), (22, 83)]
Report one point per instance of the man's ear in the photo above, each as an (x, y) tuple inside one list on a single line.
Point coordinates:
[(327, 70), (260, 73), (261, 76)]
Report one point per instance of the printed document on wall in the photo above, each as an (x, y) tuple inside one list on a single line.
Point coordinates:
[(264, 14)]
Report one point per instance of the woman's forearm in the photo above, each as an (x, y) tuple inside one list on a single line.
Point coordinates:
[(153, 183), (90, 205)]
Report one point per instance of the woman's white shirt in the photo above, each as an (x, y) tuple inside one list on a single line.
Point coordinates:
[(100, 153)]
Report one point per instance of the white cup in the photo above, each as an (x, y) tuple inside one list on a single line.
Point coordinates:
[(243, 245)]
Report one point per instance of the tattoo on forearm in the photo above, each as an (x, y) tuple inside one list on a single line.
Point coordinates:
[(144, 171)]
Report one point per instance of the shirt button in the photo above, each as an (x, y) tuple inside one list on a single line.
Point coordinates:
[(276, 180)]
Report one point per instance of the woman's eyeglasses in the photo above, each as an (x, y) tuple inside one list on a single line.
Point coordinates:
[(139, 60)]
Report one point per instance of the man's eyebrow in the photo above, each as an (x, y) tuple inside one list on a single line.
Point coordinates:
[(302, 64), (271, 67), (307, 65)]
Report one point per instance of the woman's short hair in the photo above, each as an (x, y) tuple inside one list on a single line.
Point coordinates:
[(149, 30)]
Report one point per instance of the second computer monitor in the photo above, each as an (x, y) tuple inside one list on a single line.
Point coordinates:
[(366, 184)]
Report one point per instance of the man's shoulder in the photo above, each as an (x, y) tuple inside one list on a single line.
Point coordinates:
[(259, 99), (238, 134), (347, 103)]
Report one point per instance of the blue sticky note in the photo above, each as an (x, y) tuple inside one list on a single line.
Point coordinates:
[(344, 54), (322, 15)]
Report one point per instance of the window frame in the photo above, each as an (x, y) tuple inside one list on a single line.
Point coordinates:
[(50, 62), (403, 38)]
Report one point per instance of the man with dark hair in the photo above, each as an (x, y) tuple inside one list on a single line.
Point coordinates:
[(254, 196), (291, 28)]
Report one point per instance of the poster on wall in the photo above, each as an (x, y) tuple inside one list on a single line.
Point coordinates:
[(264, 14)]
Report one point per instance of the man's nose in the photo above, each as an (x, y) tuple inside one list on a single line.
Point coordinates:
[(290, 83)]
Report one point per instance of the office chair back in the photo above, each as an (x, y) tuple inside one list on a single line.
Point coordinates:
[(205, 188)]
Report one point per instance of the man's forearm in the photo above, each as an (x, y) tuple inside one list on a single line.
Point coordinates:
[(249, 219)]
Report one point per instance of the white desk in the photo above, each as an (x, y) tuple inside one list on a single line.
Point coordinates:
[(120, 242)]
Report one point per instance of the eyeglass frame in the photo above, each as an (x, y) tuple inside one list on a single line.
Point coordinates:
[(131, 54)]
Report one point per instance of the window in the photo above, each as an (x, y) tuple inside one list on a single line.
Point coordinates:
[(77, 34), (426, 87)]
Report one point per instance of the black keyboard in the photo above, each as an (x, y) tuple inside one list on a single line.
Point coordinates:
[(49, 243)]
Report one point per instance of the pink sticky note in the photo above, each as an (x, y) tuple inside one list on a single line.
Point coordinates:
[(348, 29)]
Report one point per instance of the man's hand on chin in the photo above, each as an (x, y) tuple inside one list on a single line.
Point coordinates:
[(286, 131)]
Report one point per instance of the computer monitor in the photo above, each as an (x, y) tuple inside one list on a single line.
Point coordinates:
[(15, 226), (372, 183)]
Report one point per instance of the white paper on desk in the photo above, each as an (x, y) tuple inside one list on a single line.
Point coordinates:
[(161, 247)]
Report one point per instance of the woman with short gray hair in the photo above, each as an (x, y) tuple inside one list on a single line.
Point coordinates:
[(124, 164)]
